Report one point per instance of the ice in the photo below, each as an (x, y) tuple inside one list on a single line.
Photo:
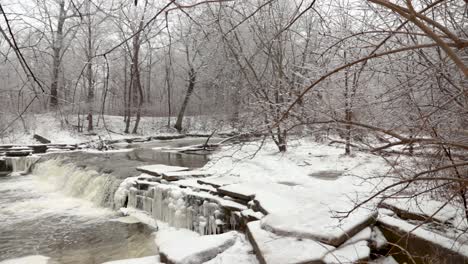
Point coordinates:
[(123, 191), (182, 247), (183, 208), (36, 259)]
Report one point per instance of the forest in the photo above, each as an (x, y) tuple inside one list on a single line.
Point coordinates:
[(388, 78)]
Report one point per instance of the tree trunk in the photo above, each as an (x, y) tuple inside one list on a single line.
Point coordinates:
[(57, 49), (138, 90), (191, 86), (89, 53), (348, 112)]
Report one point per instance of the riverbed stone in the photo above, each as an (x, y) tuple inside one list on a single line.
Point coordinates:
[(425, 246), (274, 249), (186, 247), (159, 169)]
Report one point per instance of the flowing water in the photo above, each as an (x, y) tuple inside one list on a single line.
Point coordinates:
[(62, 211), (39, 219)]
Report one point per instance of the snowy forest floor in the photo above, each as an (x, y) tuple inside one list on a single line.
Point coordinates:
[(56, 129), (309, 192)]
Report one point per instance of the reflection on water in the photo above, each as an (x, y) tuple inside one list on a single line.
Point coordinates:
[(168, 158), (68, 230)]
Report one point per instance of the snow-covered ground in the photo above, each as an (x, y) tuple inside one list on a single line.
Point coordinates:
[(309, 180), (55, 129)]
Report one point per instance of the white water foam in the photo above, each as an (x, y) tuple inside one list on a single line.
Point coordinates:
[(21, 164), (76, 182)]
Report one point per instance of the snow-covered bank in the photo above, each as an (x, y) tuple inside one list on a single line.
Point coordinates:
[(54, 128)]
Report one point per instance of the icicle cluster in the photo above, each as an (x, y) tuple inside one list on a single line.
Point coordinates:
[(179, 208)]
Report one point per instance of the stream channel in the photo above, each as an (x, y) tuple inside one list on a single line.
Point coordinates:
[(63, 209)]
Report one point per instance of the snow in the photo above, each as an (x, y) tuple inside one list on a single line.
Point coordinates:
[(424, 206), (182, 247), (378, 238), (297, 203), (363, 235), (384, 260), (53, 128), (178, 175), (443, 241), (281, 250), (36, 259), (193, 183), (350, 253), (160, 169), (320, 224), (144, 260), (240, 253), (218, 181), (141, 216)]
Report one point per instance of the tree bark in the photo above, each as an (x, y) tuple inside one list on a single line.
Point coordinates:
[(57, 49), (191, 86)]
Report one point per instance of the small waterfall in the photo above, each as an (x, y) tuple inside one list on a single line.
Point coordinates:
[(20, 164), (76, 182), (179, 208)]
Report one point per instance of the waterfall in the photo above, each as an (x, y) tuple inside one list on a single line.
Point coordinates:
[(73, 181), (20, 164)]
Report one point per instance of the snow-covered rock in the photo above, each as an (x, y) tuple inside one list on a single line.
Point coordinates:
[(144, 260), (274, 249), (160, 169), (186, 247), (36, 259)]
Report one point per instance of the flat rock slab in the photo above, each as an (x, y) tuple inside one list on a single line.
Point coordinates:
[(384, 260), (423, 244), (321, 225), (241, 191), (193, 184), (181, 247), (420, 210), (159, 169), (351, 253), (273, 249), (144, 260), (179, 175), (219, 181)]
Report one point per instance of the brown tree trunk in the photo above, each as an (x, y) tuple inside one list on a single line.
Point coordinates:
[(89, 54), (191, 86), (138, 90), (57, 48)]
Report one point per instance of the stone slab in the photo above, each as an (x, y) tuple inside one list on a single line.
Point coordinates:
[(179, 175), (159, 169), (273, 249), (219, 181)]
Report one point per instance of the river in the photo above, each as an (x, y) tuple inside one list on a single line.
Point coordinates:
[(57, 211)]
